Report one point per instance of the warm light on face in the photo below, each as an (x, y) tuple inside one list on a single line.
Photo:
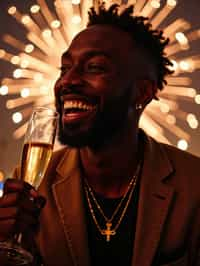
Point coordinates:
[(2, 53), (46, 33), (181, 38), (182, 144), (155, 4), (25, 19), (197, 98)]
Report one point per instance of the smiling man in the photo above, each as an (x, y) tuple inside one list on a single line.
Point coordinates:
[(114, 196), (94, 90)]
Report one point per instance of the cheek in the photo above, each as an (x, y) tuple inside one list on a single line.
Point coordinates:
[(102, 84), (56, 87)]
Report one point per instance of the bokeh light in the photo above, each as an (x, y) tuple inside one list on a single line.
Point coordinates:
[(25, 92), (171, 3), (182, 144), (12, 10), (17, 73), (17, 117), (35, 9), (29, 48), (49, 32), (3, 90)]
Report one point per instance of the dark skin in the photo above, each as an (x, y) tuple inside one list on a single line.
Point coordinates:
[(97, 66), (103, 166), (20, 208)]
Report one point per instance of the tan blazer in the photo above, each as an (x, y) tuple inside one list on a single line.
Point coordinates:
[(168, 221)]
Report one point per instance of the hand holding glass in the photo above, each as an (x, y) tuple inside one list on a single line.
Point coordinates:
[(37, 151)]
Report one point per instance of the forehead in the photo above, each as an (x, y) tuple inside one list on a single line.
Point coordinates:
[(106, 39)]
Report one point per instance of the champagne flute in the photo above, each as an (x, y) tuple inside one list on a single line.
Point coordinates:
[(36, 155)]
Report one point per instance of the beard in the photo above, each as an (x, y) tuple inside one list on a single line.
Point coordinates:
[(104, 126)]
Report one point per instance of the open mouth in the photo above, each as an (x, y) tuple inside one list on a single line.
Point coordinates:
[(75, 110)]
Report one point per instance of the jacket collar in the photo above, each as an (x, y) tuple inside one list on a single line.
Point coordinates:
[(155, 198), (68, 194), (154, 202)]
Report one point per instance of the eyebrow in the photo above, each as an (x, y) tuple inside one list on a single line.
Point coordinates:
[(88, 54)]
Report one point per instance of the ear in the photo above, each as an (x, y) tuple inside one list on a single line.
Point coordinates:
[(146, 91)]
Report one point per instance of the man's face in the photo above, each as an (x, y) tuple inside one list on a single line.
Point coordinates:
[(95, 88)]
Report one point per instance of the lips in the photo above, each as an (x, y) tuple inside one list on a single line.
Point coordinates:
[(77, 108)]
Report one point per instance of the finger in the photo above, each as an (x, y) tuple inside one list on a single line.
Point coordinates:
[(29, 206), (26, 222), (13, 185)]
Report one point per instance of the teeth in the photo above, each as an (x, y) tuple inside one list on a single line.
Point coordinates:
[(79, 105)]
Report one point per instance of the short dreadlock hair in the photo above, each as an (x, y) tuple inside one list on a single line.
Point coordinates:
[(141, 30)]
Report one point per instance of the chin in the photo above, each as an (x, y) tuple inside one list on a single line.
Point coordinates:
[(95, 138), (75, 141), (97, 134), (72, 136)]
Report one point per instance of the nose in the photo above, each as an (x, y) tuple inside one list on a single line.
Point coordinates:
[(72, 79)]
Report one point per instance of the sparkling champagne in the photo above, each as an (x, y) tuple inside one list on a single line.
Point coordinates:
[(39, 139), (35, 160)]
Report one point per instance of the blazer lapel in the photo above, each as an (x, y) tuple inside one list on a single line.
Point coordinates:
[(68, 196), (154, 202)]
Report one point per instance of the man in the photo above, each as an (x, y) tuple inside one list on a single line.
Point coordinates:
[(114, 196)]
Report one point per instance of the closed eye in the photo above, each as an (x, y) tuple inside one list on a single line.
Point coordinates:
[(95, 68)]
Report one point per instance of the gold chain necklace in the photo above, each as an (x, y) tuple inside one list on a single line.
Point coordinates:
[(108, 232)]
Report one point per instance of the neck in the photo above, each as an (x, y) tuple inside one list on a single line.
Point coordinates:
[(110, 169)]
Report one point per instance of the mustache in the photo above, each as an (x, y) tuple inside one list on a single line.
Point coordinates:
[(73, 94), (66, 91)]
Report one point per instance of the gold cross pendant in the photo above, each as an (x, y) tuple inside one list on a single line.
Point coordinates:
[(108, 232)]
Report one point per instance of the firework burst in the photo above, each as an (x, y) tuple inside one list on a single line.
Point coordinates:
[(49, 32)]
